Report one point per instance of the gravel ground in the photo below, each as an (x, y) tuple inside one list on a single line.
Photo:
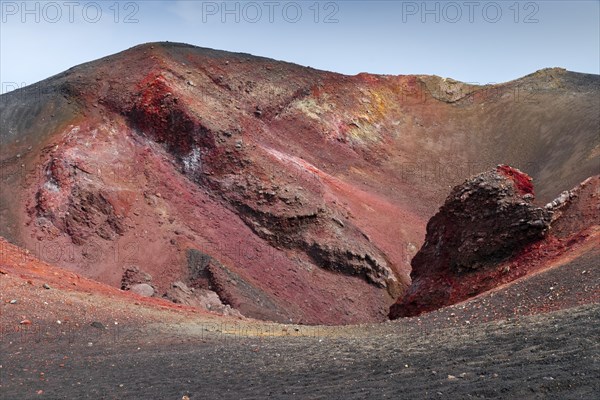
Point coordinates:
[(552, 355)]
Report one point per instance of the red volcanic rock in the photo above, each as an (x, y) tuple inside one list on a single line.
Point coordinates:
[(523, 182), (484, 221)]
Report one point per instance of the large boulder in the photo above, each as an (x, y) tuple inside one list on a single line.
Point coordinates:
[(142, 289), (484, 221)]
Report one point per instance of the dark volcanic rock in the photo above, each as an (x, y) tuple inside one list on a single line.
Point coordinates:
[(197, 263), (484, 221)]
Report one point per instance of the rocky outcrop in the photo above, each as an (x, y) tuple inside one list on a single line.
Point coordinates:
[(71, 201), (577, 209), (483, 222), (207, 274)]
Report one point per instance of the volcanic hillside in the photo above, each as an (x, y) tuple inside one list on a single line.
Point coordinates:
[(295, 195)]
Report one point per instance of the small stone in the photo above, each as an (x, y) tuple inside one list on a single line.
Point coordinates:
[(451, 377), (25, 322), (46, 286), (337, 221), (13, 302), (97, 325)]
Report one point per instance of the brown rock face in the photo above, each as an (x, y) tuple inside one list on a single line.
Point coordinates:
[(484, 221)]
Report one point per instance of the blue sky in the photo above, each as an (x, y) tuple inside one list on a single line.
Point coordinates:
[(472, 41)]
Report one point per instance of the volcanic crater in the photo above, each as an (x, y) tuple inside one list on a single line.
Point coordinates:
[(257, 188)]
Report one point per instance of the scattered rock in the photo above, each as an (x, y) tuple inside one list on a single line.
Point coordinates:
[(46, 286), (209, 300)]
